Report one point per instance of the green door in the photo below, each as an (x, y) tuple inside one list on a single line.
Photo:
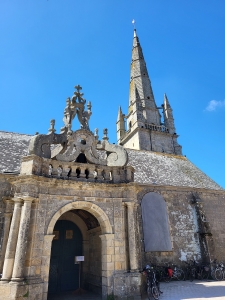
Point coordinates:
[(67, 243)]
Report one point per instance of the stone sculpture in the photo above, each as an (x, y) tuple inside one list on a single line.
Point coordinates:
[(68, 145)]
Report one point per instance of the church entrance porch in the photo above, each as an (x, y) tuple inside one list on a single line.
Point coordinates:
[(76, 236), (78, 229)]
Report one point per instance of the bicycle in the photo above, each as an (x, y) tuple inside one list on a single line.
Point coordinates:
[(190, 271), (153, 290), (175, 273), (217, 270), (162, 273)]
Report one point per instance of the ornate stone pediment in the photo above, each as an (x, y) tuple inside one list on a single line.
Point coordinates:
[(68, 145)]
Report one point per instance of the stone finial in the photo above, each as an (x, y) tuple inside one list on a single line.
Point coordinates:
[(89, 105), (52, 126), (59, 170), (50, 169), (96, 134), (105, 134)]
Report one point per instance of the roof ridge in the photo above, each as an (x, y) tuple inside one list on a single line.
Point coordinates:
[(16, 133)]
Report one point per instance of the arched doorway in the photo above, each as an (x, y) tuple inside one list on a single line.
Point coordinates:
[(67, 243), (98, 241)]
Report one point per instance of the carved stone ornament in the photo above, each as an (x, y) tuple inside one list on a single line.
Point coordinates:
[(69, 145)]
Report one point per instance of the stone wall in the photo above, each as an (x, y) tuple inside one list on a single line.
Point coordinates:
[(214, 208), (94, 273), (184, 227)]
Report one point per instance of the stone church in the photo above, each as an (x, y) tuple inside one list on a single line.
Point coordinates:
[(79, 212)]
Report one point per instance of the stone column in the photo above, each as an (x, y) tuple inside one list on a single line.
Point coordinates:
[(12, 240), (21, 247), (132, 237), (7, 220)]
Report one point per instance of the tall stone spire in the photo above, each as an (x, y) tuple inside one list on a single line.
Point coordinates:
[(145, 131), (141, 95)]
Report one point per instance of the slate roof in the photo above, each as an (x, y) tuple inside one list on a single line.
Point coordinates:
[(167, 169), (150, 167), (13, 146)]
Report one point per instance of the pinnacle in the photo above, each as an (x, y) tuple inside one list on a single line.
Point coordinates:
[(120, 114), (166, 101)]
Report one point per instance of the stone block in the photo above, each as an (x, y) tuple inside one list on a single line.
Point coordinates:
[(106, 258)]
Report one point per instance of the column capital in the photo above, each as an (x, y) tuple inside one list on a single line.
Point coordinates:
[(8, 204), (130, 204), (7, 200), (25, 198), (17, 200)]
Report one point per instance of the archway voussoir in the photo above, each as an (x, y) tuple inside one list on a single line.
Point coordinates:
[(92, 208)]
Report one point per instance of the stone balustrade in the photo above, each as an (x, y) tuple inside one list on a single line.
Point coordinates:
[(35, 165)]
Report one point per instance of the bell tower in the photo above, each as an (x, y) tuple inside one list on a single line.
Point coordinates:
[(145, 128)]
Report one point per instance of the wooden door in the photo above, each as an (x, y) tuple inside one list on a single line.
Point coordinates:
[(67, 243)]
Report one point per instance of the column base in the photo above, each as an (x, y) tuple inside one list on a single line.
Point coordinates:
[(15, 290), (4, 280), (17, 279)]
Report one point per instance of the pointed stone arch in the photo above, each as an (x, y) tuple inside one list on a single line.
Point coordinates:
[(92, 208)]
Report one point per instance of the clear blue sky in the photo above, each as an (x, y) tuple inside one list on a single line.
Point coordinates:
[(48, 46)]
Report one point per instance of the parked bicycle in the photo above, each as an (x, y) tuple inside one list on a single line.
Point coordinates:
[(175, 273), (217, 270), (163, 273), (153, 290), (195, 270), (190, 271)]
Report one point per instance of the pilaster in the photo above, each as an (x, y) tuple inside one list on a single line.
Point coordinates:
[(108, 266), (131, 206)]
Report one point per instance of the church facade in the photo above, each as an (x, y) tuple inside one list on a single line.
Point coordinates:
[(77, 212)]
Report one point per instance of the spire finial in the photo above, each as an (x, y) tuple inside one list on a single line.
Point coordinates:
[(133, 22)]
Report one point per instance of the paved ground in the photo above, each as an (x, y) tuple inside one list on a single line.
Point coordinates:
[(74, 296), (175, 290), (196, 290)]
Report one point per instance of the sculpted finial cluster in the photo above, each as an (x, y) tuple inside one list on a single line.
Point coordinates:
[(74, 106), (68, 145)]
